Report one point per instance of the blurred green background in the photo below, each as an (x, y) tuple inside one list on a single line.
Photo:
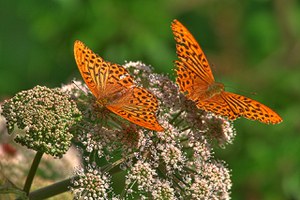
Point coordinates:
[(253, 47)]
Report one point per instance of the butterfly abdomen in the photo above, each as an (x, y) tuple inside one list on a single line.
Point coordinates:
[(102, 102)]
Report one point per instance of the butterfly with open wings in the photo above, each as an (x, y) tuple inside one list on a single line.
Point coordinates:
[(195, 79), (114, 88)]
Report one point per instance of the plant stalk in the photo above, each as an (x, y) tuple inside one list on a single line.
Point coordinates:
[(32, 171), (51, 190)]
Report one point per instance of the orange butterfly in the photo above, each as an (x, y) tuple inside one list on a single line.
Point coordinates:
[(114, 88), (196, 80)]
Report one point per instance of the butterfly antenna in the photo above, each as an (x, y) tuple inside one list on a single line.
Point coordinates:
[(243, 91), (80, 87), (213, 67)]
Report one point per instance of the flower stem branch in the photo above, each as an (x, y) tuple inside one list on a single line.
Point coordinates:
[(32, 172), (51, 190), (116, 163), (176, 116)]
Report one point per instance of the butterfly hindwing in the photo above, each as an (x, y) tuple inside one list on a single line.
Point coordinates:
[(219, 106), (233, 106), (139, 106), (250, 108)]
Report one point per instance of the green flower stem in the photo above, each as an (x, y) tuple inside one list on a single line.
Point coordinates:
[(184, 129), (190, 169), (175, 117), (124, 192), (31, 174), (112, 166), (176, 179), (51, 190)]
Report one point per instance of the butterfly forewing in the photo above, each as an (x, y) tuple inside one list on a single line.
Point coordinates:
[(103, 78), (196, 80), (89, 66), (112, 84), (190, 52), (190, 83)]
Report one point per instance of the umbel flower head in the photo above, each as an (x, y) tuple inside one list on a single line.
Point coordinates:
[(91, 183), (43, 118), (178, 163)]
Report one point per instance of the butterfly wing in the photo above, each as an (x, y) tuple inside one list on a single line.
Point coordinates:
[(190, 83), (219, 106), (190, 53), (194, 77), (233, 106), (113, 83), (103, 78), (251, 109), (139, 106)]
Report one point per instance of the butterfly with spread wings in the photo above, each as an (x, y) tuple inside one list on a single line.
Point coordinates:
[(195, 79), (114, 89)]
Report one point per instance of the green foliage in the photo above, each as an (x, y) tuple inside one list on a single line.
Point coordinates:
[(251, 45)]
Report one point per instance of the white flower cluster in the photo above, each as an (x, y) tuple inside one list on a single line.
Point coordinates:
[(91, 184), (178, 163)]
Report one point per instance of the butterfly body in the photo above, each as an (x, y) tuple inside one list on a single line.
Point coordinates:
[(113, 98), (214, 89), (115, 90), (196, 81)]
